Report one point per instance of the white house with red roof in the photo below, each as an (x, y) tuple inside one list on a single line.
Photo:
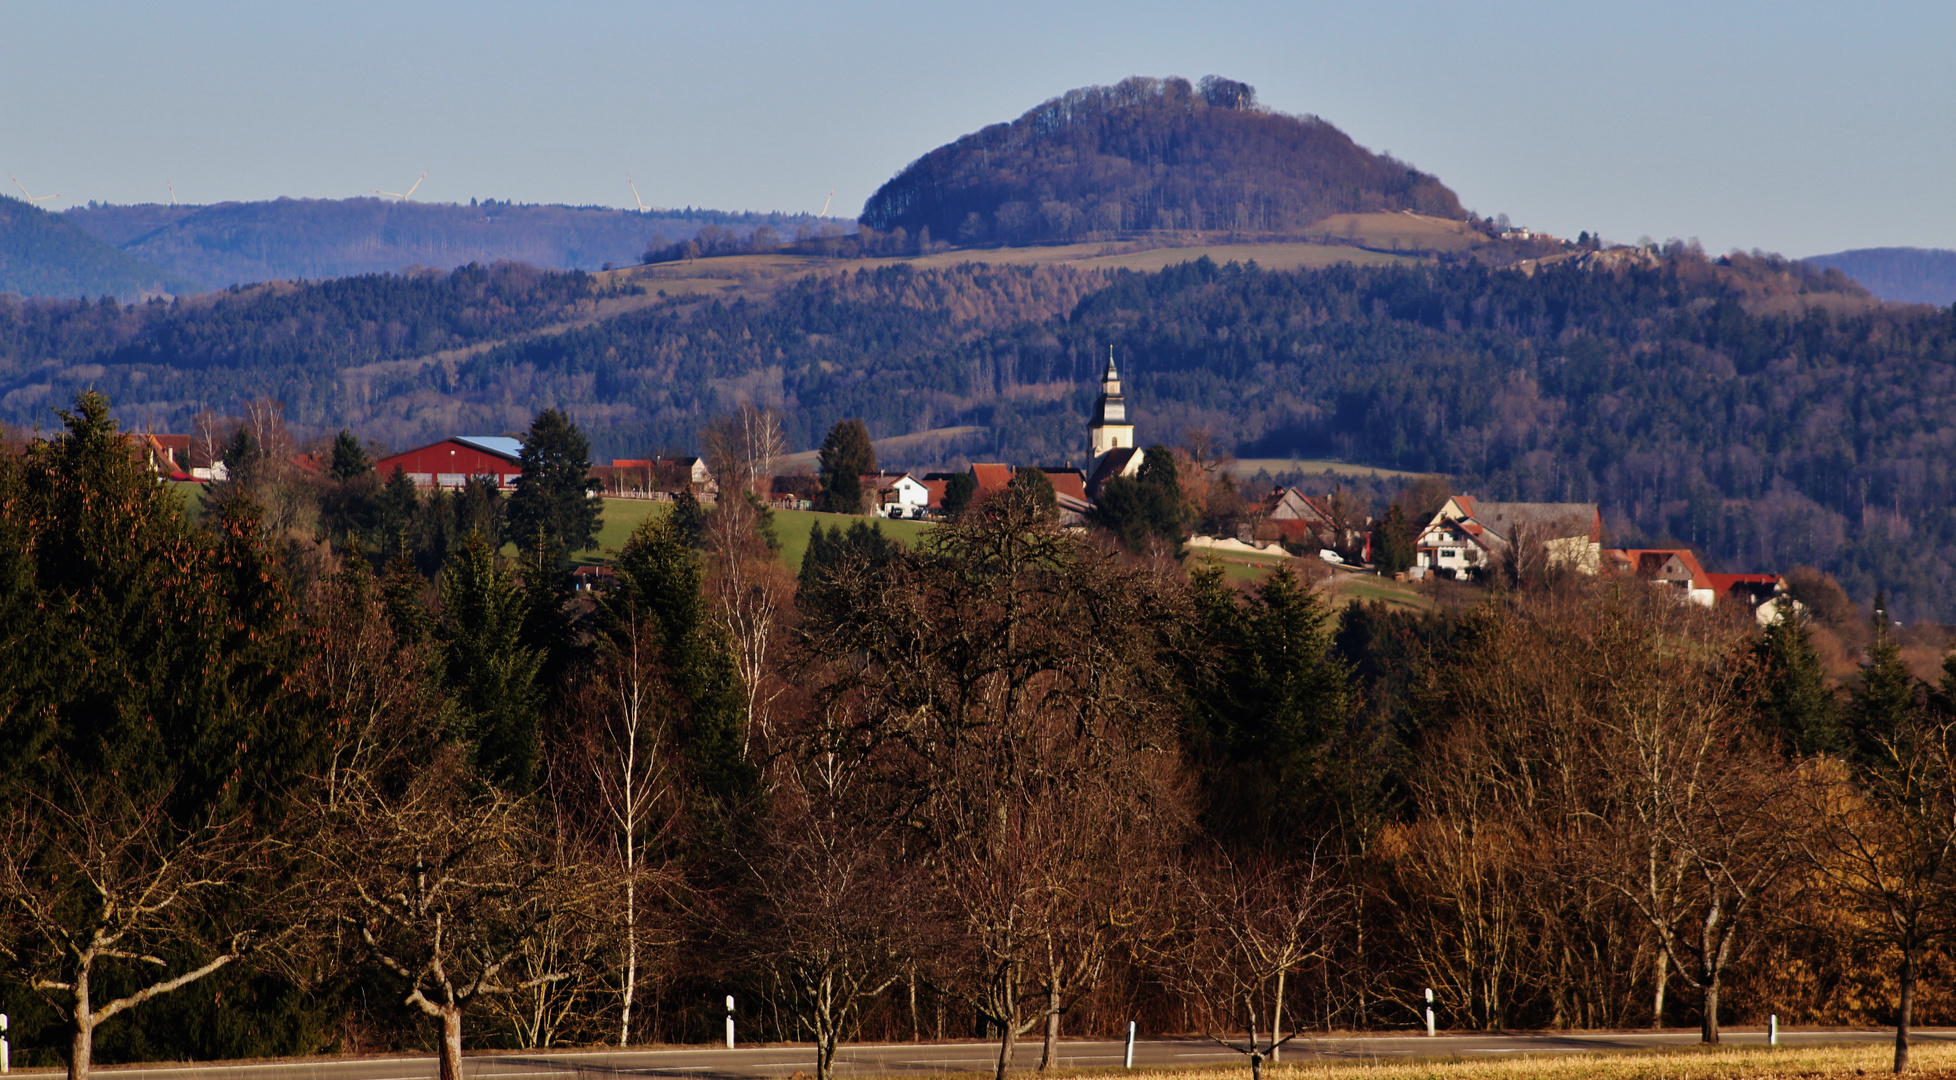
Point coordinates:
[(1467, 534)]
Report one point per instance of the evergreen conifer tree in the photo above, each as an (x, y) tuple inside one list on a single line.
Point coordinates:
[(402, 588), (1884, 701), (554, 493), (1794, 699), (959, 490), (846, 456), (490, 674), (661, 578), (1393, 550), (1146, 506), (349, 457), (1265, 704)]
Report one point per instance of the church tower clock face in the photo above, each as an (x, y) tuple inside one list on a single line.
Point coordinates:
[(1110, 429)]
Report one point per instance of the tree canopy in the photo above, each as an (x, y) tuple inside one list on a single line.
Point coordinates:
[(554, 495), (1147, 154)]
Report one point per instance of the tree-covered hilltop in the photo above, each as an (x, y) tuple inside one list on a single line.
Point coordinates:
[(1771, 414), (43, 254), (1147, 154)]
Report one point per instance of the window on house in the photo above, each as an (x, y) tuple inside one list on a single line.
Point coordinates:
[(1449, 553)]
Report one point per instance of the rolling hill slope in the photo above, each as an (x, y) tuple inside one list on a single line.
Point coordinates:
[(246, 242), (1905, 275), (43, 254)]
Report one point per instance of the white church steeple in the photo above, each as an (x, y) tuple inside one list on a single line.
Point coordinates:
[(1109, 429)]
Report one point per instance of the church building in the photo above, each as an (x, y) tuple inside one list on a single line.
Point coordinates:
[(1109, 433)]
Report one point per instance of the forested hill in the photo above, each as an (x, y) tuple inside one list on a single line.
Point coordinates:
[(244, 242), (1769, 413), (1906, 275), (1148, 154), (43, 254)]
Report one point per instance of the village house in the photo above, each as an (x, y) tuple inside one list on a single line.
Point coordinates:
[(1679, 569), (896, 495), (1467, 535), (1296, 518)]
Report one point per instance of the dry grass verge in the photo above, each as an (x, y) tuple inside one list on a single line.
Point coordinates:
[(1930, 1060)]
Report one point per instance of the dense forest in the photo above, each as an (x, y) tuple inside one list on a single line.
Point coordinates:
[(1147, 154), (306, 794), (244, 242), (43, 254), (1767, 413)]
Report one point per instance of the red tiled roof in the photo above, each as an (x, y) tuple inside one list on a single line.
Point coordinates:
[(991, 476), (936, 489), (1068, 482)]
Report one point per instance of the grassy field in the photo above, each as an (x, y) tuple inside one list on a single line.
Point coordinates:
[(1247, 467), (1411, 232), (1694, 1063), (621, 516), (1268, 256), (728, 275)]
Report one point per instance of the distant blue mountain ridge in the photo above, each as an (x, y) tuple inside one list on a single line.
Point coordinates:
[(1904, 275), (128, 251)]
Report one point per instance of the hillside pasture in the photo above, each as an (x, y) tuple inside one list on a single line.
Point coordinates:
[(1399, 232), (1243, 468)]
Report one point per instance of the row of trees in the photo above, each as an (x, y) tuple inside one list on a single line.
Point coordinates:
[(261, 797)]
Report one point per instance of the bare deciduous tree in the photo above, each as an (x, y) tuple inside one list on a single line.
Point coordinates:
[(1007, 681), (1887, 844), (750, 587), (444, 885), (619, 749), (1247, 923), (102, 883), (827, 914)]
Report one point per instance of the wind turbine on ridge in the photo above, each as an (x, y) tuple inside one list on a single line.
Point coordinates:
[(31, 199), (642, 208), (402, 195)]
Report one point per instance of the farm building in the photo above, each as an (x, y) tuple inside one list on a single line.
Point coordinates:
[(450, 462)]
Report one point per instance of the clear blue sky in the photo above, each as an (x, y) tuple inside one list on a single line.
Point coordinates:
[(1791, 126)]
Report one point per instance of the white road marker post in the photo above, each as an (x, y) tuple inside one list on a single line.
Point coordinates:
[(5, 1065), (1431, 1030), (730, 1021), (1127, 1059), (1772, 1030)]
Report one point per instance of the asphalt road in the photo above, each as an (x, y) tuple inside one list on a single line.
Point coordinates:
[(778, 1063)]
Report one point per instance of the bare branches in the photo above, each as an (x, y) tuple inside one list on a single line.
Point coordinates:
[(101, 881), (445, 885)]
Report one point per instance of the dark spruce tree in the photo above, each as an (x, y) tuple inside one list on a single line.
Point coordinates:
[(154, 735), (488, 670), (959, 490), (554, 495), (1794, 700), (349, 459), (1393, 547), (846, 456), (1267, 698), (661, 579), (1147, 507)]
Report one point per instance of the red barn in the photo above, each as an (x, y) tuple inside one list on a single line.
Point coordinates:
[(450, 462)]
